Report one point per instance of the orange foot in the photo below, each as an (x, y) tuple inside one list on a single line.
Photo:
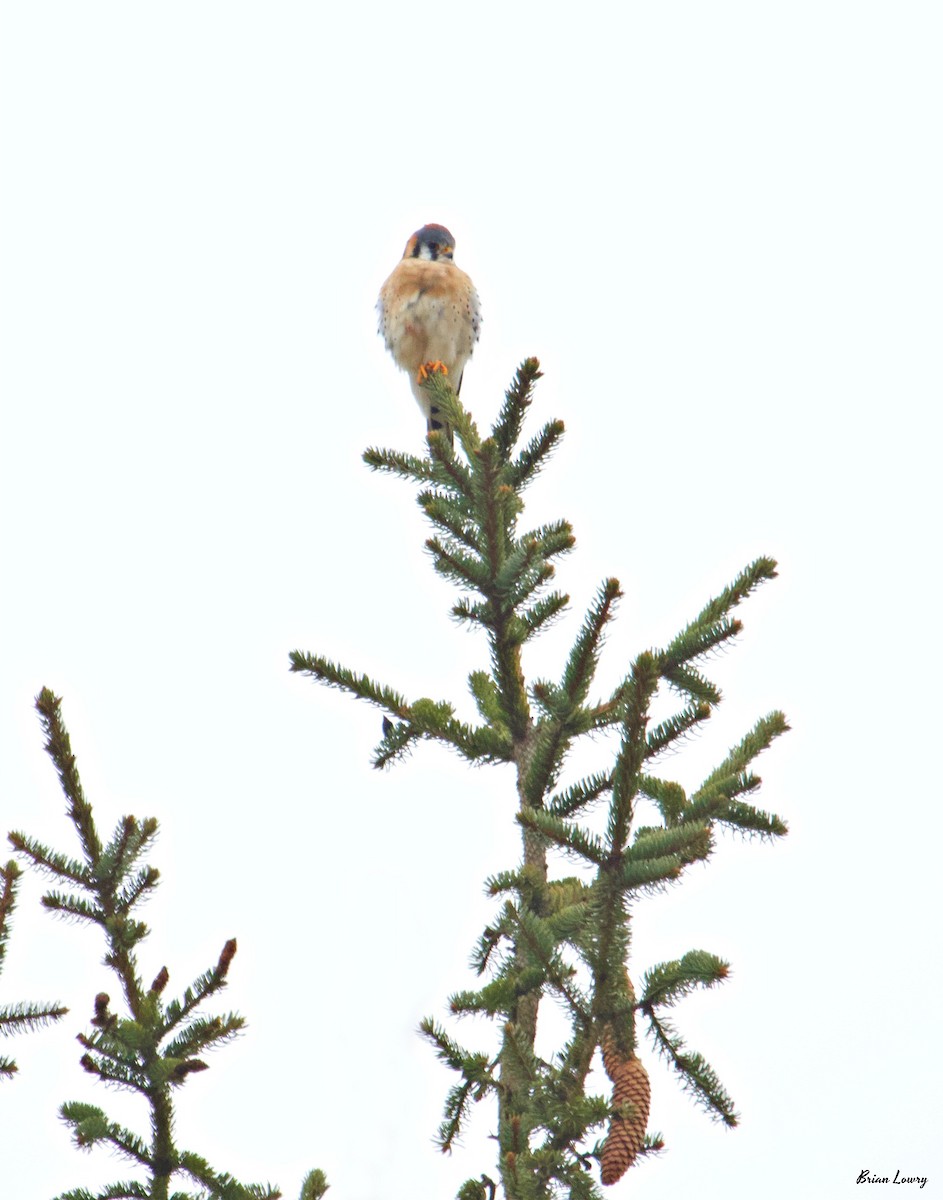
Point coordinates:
[(431, 368)]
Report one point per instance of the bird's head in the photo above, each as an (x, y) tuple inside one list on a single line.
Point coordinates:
[(432, 242)]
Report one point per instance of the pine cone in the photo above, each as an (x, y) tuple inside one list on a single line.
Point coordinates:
[(612, 1059), (626, 1134)]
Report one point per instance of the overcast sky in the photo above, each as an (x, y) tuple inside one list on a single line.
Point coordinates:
[(719, 228)]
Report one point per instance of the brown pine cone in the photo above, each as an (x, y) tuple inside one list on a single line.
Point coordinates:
[(611, 1057), (630, 1086)]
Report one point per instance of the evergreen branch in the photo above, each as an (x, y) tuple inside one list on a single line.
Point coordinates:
[(535, 455), (204, 1033), (490, 938), (451, 517), (760, 737), (504, 881), (116, 1041), (695, 642), (50, 861), (123, 935), (697, 1076), (314, 1186), (555, 973), (407, 466), (129, 842), (518, 568), (128, 1190), (552, 539), (90, 1126), (650, 873), (111, 1070), (446, 1048), (346, 680), (562, 895), (88, 1121), (9, 874), (498, 996), (443, 394), (518, 1060), (715, 801), (220, 1185), (584, 657), (25, 1016), (527, 585), (397, 738), (677, 726), (474, 612), (74, 906), (453, 475), (607, 713), (550, 741), (59, 749), (542, 612), (753, 820), (637, 692), (434, 719), (488, 699), (689, 841), (131, 892), (551, 700), (693, 684), (571, 923), (749, 579), (454, 564), (668, 795), (477, 1075), (457, 1103), (517, 399), (570, 838), (669, 982), (209, 982), (579, 795), (710, 626), (654, 1144)]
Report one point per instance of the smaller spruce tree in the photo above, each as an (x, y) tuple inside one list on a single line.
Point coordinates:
[(149, 1045)]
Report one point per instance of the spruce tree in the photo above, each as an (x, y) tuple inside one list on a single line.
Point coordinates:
[(146, 1043), (564, 937)]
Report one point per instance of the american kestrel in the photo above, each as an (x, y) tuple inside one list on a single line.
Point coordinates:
[(430, 315)]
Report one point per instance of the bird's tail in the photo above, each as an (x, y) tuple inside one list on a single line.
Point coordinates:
[(435, 419), (436, 422)]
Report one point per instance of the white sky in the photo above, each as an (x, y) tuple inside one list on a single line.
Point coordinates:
[(718, 226)]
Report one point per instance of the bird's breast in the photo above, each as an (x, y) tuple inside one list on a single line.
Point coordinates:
[(428, 313)]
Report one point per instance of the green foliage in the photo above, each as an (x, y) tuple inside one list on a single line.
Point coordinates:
[(20, 1016), (153, 1044), (564, 939), (314, 1186)]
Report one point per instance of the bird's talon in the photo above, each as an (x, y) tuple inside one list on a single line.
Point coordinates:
[(432, 368)]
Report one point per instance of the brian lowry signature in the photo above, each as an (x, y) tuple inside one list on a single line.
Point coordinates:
[(867, 1177)]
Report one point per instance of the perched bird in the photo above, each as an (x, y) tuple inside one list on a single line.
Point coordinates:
[(430, 315)]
